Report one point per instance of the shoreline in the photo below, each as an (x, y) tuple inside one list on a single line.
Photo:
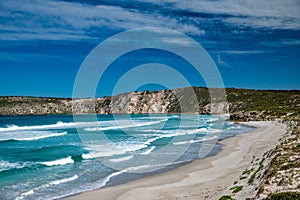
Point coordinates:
[(207, 178)]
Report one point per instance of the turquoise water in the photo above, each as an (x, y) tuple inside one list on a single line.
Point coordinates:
[(48, 157)]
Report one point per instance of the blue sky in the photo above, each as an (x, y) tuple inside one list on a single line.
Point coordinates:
[(255, 44)]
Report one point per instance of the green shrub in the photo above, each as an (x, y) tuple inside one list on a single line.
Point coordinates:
[(285, 196), (247, 171), (287, 166), (251, 179), (236, 189), (226, 198)]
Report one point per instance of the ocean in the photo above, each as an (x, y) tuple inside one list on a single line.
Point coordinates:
[(52, 156)]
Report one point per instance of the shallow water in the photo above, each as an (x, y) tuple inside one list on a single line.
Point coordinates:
[(51, 156)]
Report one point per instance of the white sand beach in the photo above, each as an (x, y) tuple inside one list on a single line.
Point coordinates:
[(207, 178)]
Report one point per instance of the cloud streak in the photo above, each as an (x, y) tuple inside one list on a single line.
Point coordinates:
[(275, 14), (208, 21), (32, 19)]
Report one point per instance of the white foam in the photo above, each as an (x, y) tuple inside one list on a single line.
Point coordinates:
[(124, 125), (213, 130), (213, 119), (5, 165), (62, 161), (50, 126), (136, 169), (141, 168), (88, 156), (177, 132), (56, 182), (118, 148), (234, 127), (104, 181), (148, 151), (148, 142), (89, 126), (194, 141), (130, 146), (58, 125), (121, 159), (97, 151), (25, 194), (29, 135)]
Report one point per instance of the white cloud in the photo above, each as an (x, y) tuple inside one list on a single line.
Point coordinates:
[(178, 41), (243, 52), (48, 19), (222, 62), (58, 20), (255, 13), (290, 42), (281, 43)]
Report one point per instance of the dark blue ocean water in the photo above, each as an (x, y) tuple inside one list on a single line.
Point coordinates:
[(51, 156)]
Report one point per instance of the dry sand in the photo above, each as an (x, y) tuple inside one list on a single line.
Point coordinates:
[(207, 178)]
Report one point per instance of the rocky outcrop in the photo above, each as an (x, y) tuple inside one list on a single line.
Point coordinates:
[(216, 108), (251, 116)]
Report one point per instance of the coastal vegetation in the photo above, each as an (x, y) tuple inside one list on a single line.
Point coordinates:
[(276, 175), (226, 197), (285, 196), (236, 189)]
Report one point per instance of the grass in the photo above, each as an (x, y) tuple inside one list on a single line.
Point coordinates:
[(247, 171), (261, 166), (236, 189), (251, 179)]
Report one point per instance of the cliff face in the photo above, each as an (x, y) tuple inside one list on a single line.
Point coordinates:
[(165, 101), (144, 102), (243, 104)]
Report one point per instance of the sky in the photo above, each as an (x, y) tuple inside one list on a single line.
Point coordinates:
[(254, 44)]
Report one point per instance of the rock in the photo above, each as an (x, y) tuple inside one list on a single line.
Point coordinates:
[(249, 116), (216, 108)]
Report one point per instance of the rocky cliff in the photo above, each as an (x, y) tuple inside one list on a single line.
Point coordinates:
[(243, 104), (184, 100)]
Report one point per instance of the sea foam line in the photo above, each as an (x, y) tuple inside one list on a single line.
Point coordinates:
[(29, 135), (136, 169), (148, 151), (42, 136), (125, 126), (58, 125), (62, 161), (194, 141), (55, 182), (121, 159), (176, 132), (5, 165)]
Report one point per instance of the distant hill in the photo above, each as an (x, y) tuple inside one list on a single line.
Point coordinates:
[(243, 104)]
